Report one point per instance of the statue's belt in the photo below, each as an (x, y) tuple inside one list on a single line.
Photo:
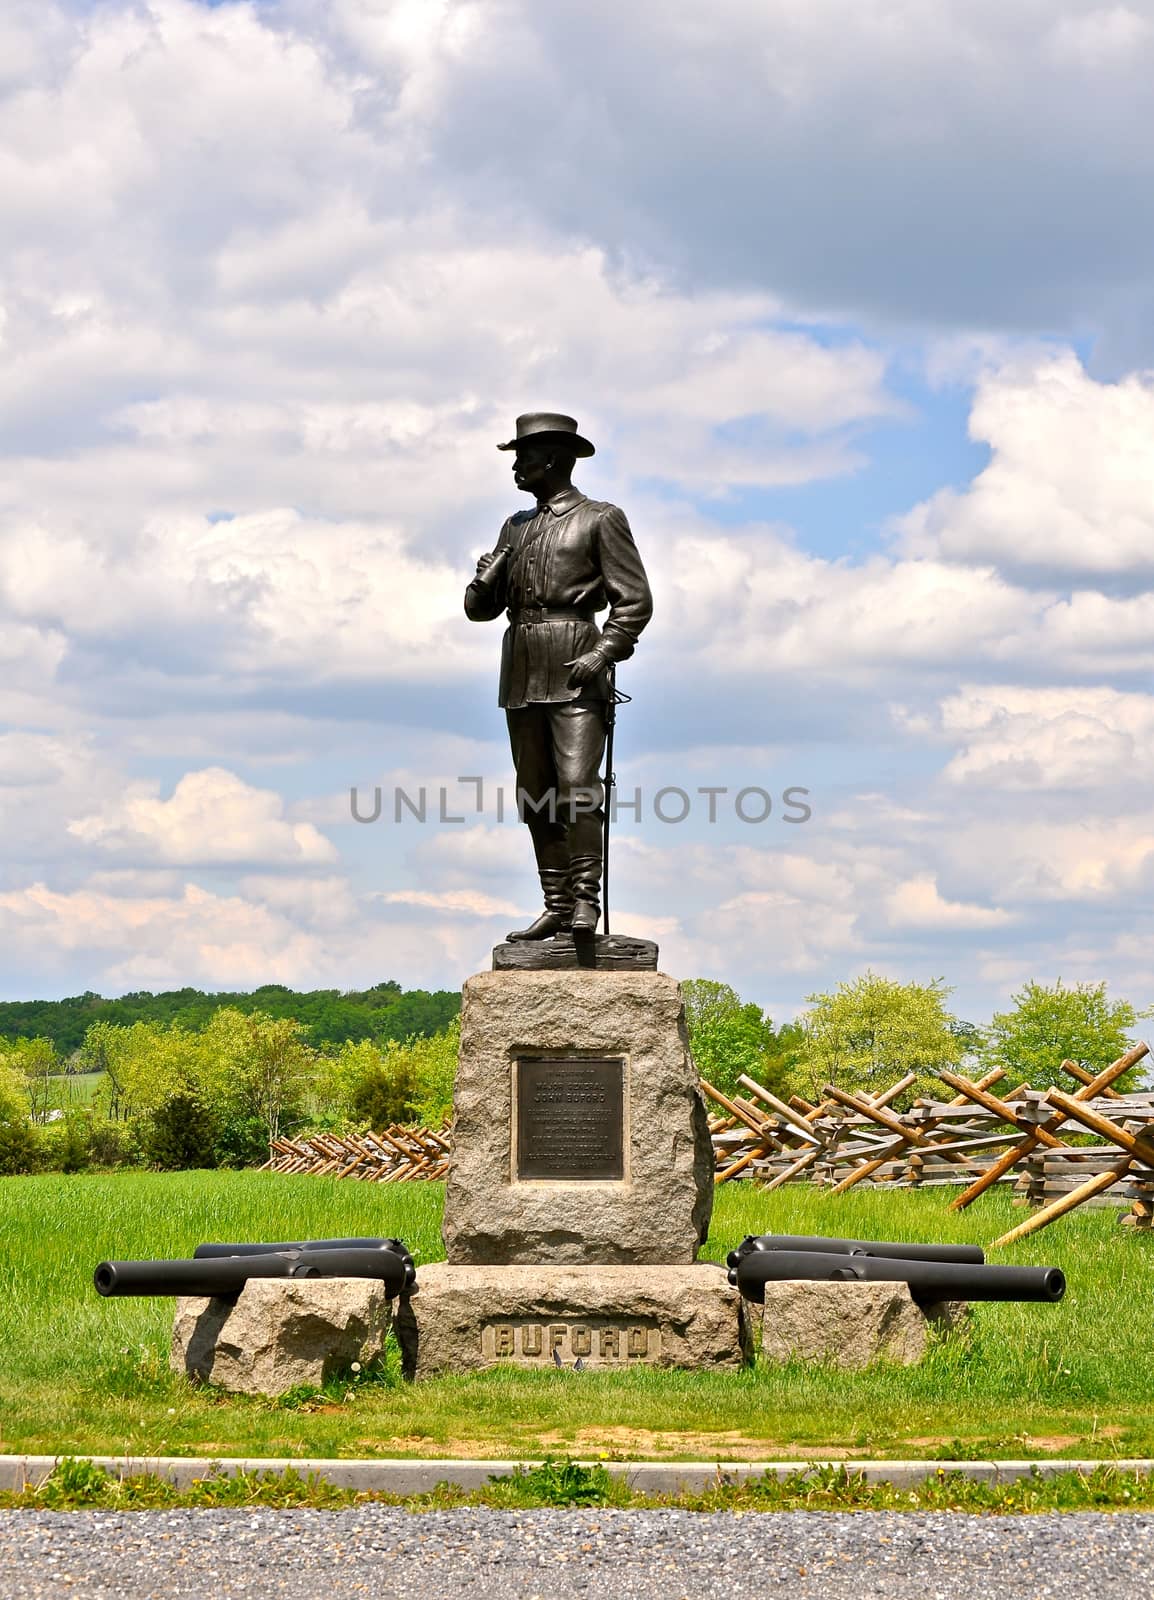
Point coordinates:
[(534, 614)]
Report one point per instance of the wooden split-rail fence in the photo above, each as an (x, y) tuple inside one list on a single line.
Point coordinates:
[(974, 1139), (1018, 1137), (395, 1155)]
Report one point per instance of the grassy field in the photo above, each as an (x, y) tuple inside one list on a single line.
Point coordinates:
[(73, 1090), (80, 1374)]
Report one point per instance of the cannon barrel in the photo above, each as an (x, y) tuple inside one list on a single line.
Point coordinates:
[(221, 1278), (970, 1254), (209, 1252), (224, 1277), (928, 1280)]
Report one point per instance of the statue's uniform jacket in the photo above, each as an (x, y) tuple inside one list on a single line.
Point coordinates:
[(574, 556)]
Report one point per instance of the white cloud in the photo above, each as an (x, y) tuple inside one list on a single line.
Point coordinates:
[(455, 902), (1015, 737), (45, 779), (1096, 859), (1070, 483), (325, 903), (1107, 37), (788, 611), (841, 152), (485, 851), (131, 941), (302, 935), (789, 932), (212, 817), (917, 903)]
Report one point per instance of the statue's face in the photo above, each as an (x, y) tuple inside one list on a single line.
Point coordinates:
[(531, 466)]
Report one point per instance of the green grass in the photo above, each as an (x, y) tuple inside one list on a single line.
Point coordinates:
[(79, 1374), (77, 1484), (70, 1091)]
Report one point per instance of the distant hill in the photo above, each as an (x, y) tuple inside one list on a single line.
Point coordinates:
[(386, 1011)]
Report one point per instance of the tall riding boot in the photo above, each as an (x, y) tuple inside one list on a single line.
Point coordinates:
[(557, 916), (584, 837), (585, 884)]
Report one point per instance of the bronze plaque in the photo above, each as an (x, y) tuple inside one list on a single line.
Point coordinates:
[(571, 1117)]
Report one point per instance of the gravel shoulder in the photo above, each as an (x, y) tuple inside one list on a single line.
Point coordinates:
[(384, 1552)]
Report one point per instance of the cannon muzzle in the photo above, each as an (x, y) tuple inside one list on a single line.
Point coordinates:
[(223, 1278), (928, 1281)]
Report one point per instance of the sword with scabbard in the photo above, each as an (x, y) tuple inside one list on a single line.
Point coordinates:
[(616, 698)]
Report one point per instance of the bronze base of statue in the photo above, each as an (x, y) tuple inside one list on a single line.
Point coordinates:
[(604, 952)]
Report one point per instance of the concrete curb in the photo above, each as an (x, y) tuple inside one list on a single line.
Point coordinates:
[(647, 1477)]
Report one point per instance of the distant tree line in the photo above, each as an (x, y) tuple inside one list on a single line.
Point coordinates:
[(327, 1016)]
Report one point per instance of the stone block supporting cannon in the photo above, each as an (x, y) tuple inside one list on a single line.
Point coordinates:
[(851, 1302), (265, 1318)]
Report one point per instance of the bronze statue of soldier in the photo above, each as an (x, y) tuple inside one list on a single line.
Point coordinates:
[(553, 569)]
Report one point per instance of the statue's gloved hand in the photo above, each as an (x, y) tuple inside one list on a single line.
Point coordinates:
[(585, 668), (485, 562)]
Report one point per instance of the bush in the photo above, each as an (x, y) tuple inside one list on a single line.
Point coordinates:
[(435, 1066), (67, 1143), (382, 1096), (182, 1133), (370, 1083), (241, 1141), (13, 1099), (21, 1147), (114, 1144)]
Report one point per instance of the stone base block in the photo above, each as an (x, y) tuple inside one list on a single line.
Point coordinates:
[(280, 1333), (849, 1324), (576, 1174), (464, 1318)]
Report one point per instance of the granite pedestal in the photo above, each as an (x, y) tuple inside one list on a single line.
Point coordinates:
[(580, 1186), (580, 1133)]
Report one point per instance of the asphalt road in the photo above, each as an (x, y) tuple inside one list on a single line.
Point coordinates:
[(555, 1555)]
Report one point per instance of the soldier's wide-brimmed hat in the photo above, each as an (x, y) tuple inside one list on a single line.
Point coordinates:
[(549, 425)]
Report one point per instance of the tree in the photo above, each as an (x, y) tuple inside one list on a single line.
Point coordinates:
[(21, 1148), (729, 1036), (360, 1082), (383, 1012), (36, 1063), (434, 1068), (144, 1065), (1050, 1023), (874, 1030), (13, 1090), (255, 1066)]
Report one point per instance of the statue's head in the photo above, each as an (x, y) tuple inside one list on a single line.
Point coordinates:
[(547, 445)]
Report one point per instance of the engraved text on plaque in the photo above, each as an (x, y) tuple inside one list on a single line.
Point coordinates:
[(570, 1117)]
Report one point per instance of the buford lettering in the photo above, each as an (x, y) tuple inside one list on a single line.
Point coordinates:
[(565, 1341)]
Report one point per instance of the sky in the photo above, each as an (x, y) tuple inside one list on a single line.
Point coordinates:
[(855, 299)]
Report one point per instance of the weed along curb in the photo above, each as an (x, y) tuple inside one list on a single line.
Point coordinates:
[(415, 1477)]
